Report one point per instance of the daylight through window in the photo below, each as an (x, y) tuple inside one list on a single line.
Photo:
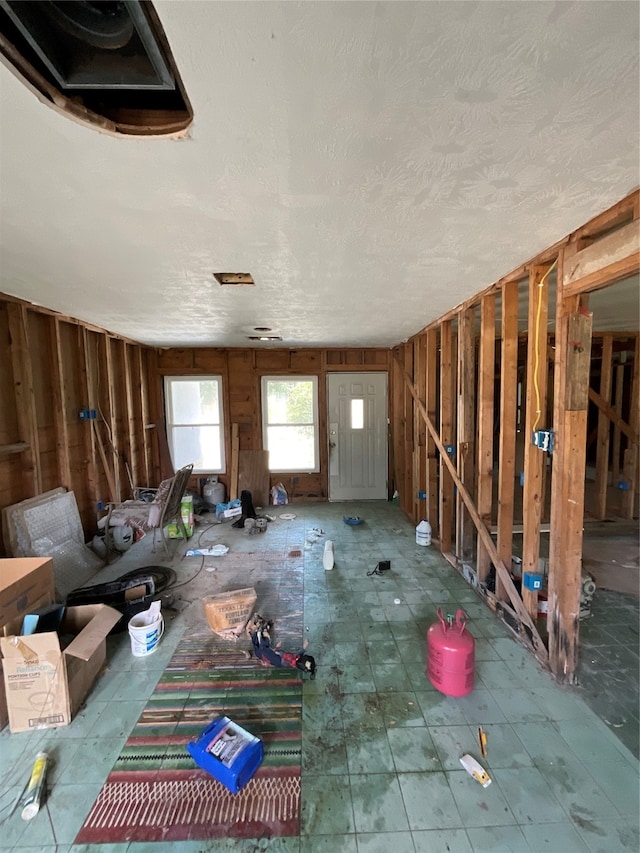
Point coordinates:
[(195, 422), (290, 422)]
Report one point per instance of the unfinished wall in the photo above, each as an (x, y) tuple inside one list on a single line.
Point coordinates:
[(471, 390), (51, 368), (241, 371)]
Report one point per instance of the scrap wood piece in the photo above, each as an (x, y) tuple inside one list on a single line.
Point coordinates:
[(482, 740), (235, 451)]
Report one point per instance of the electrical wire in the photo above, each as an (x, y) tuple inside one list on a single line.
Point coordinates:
[(537, 345), (185, 583)]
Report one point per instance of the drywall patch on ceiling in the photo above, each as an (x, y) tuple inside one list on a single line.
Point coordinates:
[(234, 279)]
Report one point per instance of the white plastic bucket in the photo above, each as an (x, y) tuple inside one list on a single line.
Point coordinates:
[(145, 631), (423, 533), (327, 558)]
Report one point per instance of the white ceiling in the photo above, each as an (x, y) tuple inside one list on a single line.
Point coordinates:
[(370, 164)]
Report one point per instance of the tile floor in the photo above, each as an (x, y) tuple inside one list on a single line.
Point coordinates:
[(380, 768)]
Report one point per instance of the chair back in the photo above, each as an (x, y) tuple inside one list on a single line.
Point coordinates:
[(171, 509)]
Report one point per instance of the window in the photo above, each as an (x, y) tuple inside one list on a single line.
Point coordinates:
[(357, 414), (195, 422), (290, 422)]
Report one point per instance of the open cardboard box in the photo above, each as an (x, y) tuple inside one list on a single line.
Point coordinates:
[(46, 682), (26, 583)]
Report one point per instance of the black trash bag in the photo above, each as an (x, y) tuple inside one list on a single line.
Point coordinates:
[(248, 509)]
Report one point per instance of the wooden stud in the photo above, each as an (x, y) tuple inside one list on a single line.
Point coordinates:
[(536, 406), (59, 403), (130, 418), (406, 495), (604, 429), (24, 395), (466, 443), (142, 410), (486, 382), (86, 386), (578, 360), (446, 434), (615, 467), (630, 469), (235, 449), (507, 436), (567, 503), (419, 431), (432, 405), (111, 424)]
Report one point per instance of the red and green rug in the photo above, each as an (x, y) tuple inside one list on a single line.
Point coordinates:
[(155, 791)]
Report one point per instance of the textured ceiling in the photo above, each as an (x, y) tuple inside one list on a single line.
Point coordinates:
[(370, 164)]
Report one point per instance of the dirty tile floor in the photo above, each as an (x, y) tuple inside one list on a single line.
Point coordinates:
[(381, 747)]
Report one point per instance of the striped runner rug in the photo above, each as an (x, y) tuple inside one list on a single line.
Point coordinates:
[(156, 792)]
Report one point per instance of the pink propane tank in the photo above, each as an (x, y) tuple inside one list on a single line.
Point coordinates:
[(451, 652)]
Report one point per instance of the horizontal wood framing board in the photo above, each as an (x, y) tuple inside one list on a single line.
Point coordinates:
[(619, 247)]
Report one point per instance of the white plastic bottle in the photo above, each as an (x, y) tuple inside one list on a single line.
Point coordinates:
[(423, 533), (327, 558)]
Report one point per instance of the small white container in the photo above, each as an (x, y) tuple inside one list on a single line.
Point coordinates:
[(327, 558), (423, 533)]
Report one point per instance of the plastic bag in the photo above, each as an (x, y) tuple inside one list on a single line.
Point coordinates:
[(279, 496)]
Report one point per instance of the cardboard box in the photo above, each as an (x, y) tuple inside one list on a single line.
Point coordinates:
[(46, 684), (26, 583), (186, 511)]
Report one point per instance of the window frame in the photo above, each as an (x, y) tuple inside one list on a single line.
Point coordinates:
[(264, 384), (170, 425)]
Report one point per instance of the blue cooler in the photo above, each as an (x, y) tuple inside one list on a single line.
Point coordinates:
[(228, 752)]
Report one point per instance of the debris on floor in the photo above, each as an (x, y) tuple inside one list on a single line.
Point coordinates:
[(259, 629), (35, 788), (482, 741), (215, 551), (475, 769), (228, 612)]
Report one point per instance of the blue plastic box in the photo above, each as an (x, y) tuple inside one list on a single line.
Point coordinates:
[(228, 752), (532, 581)]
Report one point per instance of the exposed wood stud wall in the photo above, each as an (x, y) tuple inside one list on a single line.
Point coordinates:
[(593, 257), (51, 367)]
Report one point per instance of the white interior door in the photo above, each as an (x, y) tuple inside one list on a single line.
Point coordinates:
[(357, 436)]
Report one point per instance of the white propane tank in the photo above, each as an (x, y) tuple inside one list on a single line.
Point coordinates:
[(423, 533), (213, 492)]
